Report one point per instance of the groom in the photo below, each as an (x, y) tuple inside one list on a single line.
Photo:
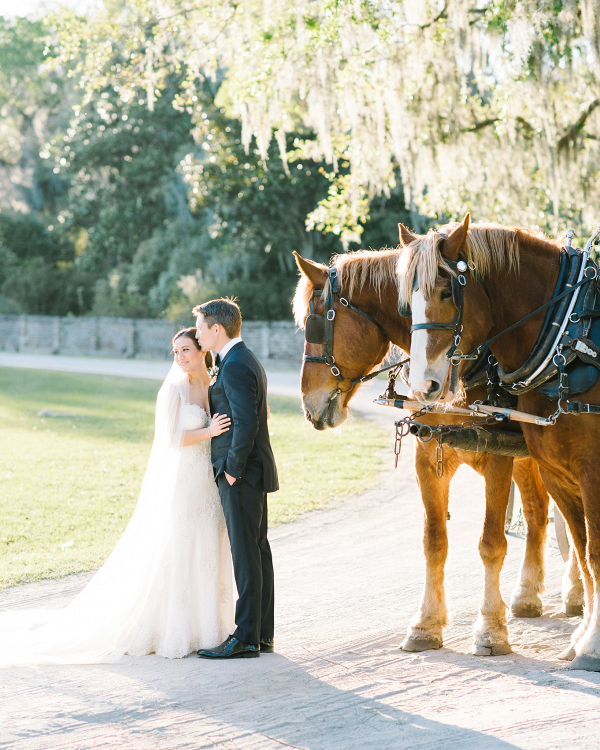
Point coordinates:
[(245, 471)]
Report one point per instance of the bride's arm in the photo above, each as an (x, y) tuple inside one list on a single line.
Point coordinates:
[(219, 424)]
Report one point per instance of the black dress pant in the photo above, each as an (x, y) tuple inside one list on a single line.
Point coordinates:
[(245, 509)]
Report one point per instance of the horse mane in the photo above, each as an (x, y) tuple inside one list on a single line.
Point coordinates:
[(488, 246), (357, 269)]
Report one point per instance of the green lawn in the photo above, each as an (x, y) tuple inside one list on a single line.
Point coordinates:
[(68, 484)]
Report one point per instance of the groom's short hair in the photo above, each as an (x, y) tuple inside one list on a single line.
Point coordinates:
[(225, 312)]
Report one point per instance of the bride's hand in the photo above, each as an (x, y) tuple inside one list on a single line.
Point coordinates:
[(219, 424)]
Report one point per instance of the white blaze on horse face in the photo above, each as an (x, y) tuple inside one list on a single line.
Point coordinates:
[(426, 378)]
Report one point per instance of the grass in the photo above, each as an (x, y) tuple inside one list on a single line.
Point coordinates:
[(68, 484)]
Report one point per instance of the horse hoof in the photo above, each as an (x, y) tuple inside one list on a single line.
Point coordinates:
[(420, 644), (526, 609), (574, 610), (568, 654), (498, 649), (501, 649), (586, 663)]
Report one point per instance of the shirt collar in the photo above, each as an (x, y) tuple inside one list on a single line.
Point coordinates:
[(230, 344)]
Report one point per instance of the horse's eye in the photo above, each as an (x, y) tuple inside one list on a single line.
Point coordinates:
[(446, 294)]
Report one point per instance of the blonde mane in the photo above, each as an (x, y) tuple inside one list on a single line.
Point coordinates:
[(373, 268), (488, 246)]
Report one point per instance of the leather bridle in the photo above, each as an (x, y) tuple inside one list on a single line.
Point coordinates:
[(458, 282), (318, 329)]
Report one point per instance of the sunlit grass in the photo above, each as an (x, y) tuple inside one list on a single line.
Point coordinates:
[(68, 484)]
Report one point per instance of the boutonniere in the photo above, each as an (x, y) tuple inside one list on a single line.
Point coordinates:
[(213, 372)]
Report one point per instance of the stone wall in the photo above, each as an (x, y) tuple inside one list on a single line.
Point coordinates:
[(133, 338)]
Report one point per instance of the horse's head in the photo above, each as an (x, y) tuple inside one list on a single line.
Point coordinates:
[(438, 279), (358, 344)]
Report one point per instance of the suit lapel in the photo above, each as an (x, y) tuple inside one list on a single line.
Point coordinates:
[(239, 345)]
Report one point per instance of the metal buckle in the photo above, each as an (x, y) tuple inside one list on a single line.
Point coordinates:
[(461, 280), (344, 301), (335, 371), (330, 315)]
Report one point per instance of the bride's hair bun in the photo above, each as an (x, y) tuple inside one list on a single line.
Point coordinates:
[(190, 333)]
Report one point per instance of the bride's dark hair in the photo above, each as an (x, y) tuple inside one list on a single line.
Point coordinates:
[(190, 333)]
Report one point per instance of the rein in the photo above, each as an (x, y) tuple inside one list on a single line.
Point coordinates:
[(319, 330)]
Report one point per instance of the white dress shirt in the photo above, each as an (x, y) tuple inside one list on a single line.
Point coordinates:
[(228, 346)]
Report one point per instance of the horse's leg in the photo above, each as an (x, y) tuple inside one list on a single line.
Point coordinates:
[(587, 646), (525, 600), (572, 586), (571, 507), (426, 629), (490, 634)]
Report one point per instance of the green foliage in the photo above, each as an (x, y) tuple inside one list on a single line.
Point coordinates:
[(121, 161), (491, 106), (141, 206), (37, 274)]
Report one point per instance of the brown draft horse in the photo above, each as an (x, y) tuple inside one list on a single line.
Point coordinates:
[(368, 279), (520, 270)]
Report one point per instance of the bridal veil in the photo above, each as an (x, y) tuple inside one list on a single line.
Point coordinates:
[(97, 625)]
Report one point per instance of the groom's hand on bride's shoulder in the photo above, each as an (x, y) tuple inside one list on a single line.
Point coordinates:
[(230, 479)]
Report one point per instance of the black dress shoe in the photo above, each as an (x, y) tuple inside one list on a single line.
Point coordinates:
[(267, 645), (230, 649)]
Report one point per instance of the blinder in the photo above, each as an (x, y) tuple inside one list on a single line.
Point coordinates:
[(404, 310), (318, 329), (314, 326)]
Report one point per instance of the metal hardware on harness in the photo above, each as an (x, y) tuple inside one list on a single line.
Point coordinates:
[(439, 457), (570, 234), (403, 428)]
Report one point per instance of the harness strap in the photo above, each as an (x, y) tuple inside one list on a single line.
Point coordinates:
[(550, 302), (327, 357)]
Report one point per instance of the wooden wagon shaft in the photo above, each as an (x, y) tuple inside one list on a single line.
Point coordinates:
[(512, 414), (400, 403), (471, 411)]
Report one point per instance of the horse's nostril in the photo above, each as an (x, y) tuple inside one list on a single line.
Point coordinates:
[(307, 414), (434, 387)]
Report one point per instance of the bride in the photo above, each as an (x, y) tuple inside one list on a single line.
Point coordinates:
[(167, 587)]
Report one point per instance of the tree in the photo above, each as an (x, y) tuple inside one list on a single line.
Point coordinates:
[(487, 105), (35, 103)]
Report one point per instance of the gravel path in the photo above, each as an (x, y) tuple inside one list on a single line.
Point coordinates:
[(348, 580)]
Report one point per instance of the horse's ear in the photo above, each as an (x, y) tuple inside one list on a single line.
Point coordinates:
[(456, 239), (314, 272), (406, 236)]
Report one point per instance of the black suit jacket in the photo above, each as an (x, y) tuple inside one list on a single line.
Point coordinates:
[(240, 391)]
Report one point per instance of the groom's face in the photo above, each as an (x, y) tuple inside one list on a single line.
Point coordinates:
[(207, 337)]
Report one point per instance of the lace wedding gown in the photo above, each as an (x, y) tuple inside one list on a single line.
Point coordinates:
[(167, 587)]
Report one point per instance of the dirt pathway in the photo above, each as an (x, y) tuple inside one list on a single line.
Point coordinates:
[(348, 581)]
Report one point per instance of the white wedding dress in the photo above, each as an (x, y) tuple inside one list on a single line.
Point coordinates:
[(167, 587)]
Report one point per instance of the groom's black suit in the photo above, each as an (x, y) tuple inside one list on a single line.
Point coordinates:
[(244, 452)]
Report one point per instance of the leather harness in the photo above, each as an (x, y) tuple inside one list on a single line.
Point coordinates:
[(557, 346), (319, 328)]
